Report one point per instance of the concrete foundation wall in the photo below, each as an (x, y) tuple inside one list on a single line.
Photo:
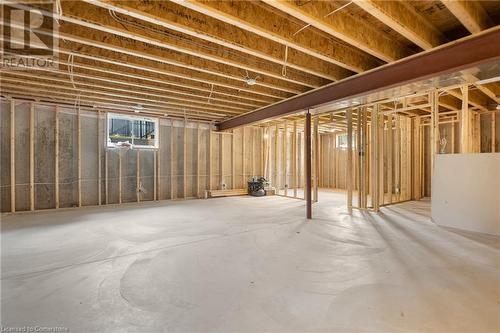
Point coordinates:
[(182, 167)]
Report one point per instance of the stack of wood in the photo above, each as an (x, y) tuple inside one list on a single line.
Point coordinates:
[(225, 193)]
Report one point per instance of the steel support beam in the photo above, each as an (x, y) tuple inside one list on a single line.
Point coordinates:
[(308, 162), (449, 58)]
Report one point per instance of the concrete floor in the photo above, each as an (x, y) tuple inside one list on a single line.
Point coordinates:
[(247, 264)]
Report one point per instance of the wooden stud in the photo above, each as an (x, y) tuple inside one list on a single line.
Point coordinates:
[(316, 157), (233, 159), (416, 159), (365, 159), (210, 156), (349, 160), (172, 164), (266, 139), (300, 158), (12, 156), (56, 161), (79, 152), (465, 122), (253, 154), (158, 163), (493, 132), (198, 159), (453, 138), (99, 162), (381, 178), (119, 176), (433, 100), (106, 183), (374, 165), (284, 160), (422, 160), (389, 157), (221, 160), (397, 158), (184, 159), (155, 175), (243, 153), (275, 166), (32, 156), (262, 152), (138, 175), (294, 159)]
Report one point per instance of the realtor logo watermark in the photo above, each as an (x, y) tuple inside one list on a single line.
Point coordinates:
[(29, 36)]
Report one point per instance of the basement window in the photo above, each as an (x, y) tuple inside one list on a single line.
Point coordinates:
[(131, 131), (342, 141)]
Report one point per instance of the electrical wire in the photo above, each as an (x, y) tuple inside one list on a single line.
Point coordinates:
[(283, 70), (123, 21), (330, 13)]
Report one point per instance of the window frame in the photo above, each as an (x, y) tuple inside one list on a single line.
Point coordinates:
[(110, 116), (337, 140)]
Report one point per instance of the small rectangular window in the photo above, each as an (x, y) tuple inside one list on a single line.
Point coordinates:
[(342, 141), (134, 131)]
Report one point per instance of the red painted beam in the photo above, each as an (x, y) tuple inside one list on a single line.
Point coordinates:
[(449, 58)]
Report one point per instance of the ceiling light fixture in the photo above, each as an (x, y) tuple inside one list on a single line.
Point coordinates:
[(138, 108), (250, 81)]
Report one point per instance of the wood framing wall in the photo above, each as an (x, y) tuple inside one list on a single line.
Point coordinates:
[(393, 163), (284, 156), (56, 156)]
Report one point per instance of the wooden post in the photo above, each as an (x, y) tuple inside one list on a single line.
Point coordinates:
[(308, 146), (349, 161), (99, 162), (12, 156), (294, 159), (375, 158), (32, 156)]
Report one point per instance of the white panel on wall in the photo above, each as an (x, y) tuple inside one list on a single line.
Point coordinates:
[(466, 192)]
